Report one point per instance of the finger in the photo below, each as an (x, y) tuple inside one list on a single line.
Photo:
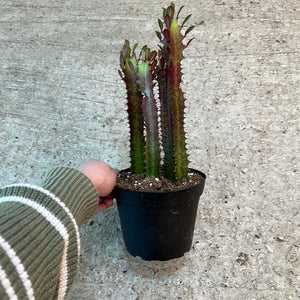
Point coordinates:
[(104, 203), (101, 207), (109, 202)]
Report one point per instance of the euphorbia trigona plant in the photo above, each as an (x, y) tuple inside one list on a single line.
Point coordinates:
[(140, 74)]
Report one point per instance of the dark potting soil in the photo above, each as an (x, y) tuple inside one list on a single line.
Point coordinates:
[(139, 182)]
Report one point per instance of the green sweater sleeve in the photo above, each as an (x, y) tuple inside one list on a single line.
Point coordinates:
[(39, 234)]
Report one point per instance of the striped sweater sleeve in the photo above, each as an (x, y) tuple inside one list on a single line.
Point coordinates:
[(39, 234)]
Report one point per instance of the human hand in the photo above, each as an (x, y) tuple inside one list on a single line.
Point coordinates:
[(104, 179)]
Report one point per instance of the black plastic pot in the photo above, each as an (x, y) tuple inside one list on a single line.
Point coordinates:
[(159, 225)]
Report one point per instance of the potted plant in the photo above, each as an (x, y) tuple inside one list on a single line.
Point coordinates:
[(158, 195)]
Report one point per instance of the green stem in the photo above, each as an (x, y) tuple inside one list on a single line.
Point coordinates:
[(152, 154)]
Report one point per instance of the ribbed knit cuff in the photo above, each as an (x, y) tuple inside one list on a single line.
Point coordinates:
[(74, 189)]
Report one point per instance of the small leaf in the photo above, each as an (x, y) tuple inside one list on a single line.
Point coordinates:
[(186, 19), (126, 48), (134, 56), (143, 53), (153, 55), (121, 74), (124, 51), (122, 62), (189, 29), (167, 21), (171, 10), (188, 42), (134, 47), (179, 11), (160, 24), (166, 33), (131, 66), (158, 35), (148, 53), (164, 12)]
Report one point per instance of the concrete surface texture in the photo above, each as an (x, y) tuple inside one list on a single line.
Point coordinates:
[(62, 101)]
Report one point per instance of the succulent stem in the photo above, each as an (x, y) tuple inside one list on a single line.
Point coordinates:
[(129, 68), (166, 115), (170, 61), (152, 153)]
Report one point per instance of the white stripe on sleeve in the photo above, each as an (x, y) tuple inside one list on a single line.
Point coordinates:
[(60, 203), (7, 285), (58, 225), (19, 267)]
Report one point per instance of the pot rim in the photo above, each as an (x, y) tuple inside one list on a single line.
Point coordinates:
[(165, 192)]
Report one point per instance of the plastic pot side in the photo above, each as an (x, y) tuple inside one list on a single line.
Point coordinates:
[(159, 225)]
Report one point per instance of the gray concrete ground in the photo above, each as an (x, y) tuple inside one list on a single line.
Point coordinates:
[(62, 102)]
